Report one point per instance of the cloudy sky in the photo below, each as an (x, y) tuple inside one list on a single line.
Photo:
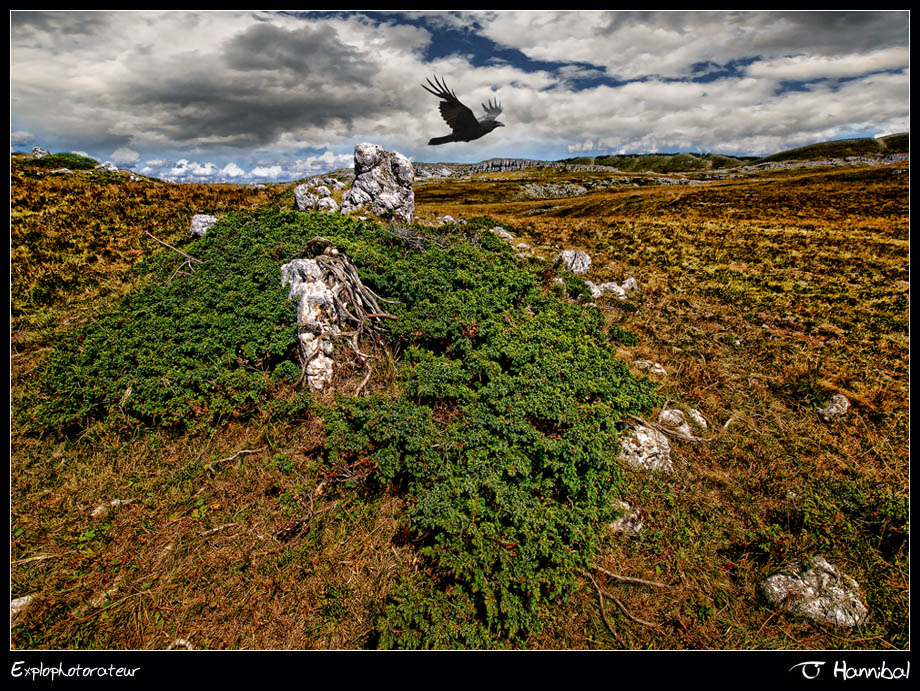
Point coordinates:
[(246, 96)]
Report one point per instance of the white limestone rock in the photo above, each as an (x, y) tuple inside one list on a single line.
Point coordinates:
[(383, 184), (647, 449), (576, 261), (201, 224), (822, 593)]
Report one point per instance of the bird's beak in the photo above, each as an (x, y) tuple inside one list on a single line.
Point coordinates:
[(500, 124)]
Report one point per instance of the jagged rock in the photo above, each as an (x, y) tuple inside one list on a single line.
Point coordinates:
[(304, 199), (61, 171), (648, 449), (822, 593), (618, 290), (201, 224), (628, 522), (316, 317), (834, 408), (329, 294), (576, 261), (108, 166), (38, 152), (503, 234), (383, 184), (651, 367)]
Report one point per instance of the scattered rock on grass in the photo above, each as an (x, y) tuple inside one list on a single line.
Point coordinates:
[(628, 522), (651, 367), (201, 224), (674, 419), (648, 449), (834, 408), (576, 261), (503, 234), (821, 593), (19, 606)]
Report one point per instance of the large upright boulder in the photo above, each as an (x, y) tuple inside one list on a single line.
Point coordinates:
[(383, 184)]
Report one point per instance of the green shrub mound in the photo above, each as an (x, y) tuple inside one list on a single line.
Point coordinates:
[(502, 438), (65, 160)]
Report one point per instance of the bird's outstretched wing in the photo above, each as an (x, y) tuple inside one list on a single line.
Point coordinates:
[(455, 114), (493, 110)]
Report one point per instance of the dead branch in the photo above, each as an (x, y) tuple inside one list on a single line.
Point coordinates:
[(629, 614), (166, 244), (630, 579), (600, 600), (242, 452)]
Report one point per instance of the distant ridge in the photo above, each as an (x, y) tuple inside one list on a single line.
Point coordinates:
[(841, 148)]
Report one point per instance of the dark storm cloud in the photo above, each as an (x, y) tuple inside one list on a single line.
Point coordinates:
[(25, 21), (306, 51)]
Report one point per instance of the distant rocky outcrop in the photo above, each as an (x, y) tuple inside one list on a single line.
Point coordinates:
[(504, 165)]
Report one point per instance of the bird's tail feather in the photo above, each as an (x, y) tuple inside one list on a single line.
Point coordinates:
[(441, 140)]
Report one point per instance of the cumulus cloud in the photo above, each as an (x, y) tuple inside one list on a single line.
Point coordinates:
[(231, 170), (312, 165), (21, 137), (124, 155), (246, 91), (270, 172), (192, 169)]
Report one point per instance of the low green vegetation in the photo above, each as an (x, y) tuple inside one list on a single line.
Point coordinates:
[(63, 160), (502, 436)]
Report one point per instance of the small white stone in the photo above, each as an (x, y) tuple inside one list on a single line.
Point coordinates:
[(647, 449)]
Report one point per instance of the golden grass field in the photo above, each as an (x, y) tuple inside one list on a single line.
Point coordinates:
[(761, 295)]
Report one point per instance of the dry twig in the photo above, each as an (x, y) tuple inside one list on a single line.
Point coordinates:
[(242, 452)]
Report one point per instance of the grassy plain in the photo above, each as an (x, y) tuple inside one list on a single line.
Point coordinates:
[(761, 295)]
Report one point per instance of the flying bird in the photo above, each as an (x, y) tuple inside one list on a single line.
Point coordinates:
[(464, 124)]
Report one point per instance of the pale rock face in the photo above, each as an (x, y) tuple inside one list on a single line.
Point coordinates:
[(576, 261), (647, 449), (316, 317), (327, 205), (822, 593), (201, 224), (383, 184), (304, 199)]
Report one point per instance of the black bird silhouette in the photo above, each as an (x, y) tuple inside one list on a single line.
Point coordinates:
[(464, 124)]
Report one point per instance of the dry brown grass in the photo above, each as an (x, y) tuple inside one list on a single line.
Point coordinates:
[(759, 295)]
